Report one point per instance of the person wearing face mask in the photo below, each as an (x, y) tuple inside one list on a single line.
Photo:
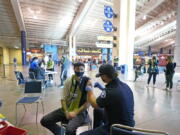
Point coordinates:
[(34, 67), (116, 99), (74, 104)]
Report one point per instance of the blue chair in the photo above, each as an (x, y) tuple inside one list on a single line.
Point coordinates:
[(31, 87), (32, 75), (19, 77), (118, 129)]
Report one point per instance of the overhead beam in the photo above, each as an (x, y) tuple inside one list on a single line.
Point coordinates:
[(159, 2), (81, 15), (18, 13)]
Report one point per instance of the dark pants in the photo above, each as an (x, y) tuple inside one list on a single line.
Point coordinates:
[(49, 121), (50, 75), (154, 77), (136, 75), (169, 81), (102, 130), (115, 65), (99, 118), (100, 124), (63, 76)]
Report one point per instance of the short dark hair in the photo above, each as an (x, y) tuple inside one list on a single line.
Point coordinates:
[(78, 64), (35, 58), (112, 76)]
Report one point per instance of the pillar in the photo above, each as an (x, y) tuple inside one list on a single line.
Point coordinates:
[(70, 47), (108, 54), (161, 51), (125, 23), (23, 47), (149, 51), (169, 51), (177, 44), (74, 47)]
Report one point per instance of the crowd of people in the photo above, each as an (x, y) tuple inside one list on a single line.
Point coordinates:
[(153, 71), (115, 105)]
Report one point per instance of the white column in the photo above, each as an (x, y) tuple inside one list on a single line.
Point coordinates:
[(74, 47), (177, 44), (125, 33), (70, 47)]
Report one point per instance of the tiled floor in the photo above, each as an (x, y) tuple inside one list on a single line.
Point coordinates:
[(155, 108)]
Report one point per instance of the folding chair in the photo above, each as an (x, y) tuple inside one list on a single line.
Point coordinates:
[(32, 75), (32, 87), (19, 77), (118, 129)]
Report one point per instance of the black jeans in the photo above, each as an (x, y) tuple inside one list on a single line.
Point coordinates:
[(169, 81), (102, 130), (154, 77), (49, 121), (63, 76), (99, 118), (100, 126), (50, 75)]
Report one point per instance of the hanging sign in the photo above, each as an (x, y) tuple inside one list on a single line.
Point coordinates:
[(104, 45), (108, 12), (108, 26)]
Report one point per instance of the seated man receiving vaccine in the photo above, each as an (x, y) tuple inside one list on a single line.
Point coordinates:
[(74, 104)]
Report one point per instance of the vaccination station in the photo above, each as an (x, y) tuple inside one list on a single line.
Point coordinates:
[(89, 67)]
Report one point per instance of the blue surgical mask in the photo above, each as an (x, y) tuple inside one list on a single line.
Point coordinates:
[(79, 74)]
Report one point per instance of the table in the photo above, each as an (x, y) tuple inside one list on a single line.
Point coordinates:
[(49, 83)]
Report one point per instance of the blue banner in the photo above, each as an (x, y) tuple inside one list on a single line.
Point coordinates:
[(53, 50)]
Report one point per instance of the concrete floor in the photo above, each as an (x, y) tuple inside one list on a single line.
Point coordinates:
[(155, 108)]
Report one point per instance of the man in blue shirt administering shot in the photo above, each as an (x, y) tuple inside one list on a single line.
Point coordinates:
[(116, 99)]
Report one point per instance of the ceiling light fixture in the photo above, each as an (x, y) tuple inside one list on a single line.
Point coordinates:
[(30, 10), (162, 23), (35, 17), (144, 17), (80, 1)]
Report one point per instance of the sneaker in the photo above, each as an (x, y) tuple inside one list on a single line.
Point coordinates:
[(147, 85), (154, 85), (61, 86), (165, 88)]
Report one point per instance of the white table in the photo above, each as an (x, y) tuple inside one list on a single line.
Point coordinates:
[(50, 72), (47, 72)]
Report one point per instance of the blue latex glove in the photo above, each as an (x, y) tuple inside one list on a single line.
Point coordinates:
[(88, 88), (98, 85)]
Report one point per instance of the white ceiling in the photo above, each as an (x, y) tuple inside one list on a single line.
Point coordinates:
[(93, 24), (9, 31), (49, 21)]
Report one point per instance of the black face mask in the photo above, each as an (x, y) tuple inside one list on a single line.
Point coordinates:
[(79, 74)]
